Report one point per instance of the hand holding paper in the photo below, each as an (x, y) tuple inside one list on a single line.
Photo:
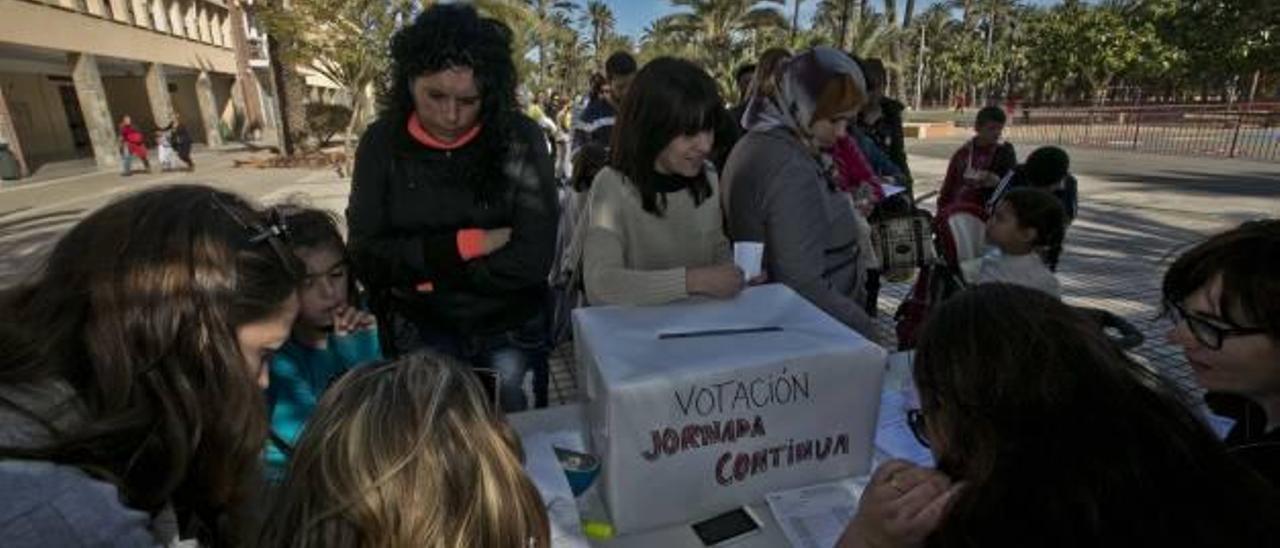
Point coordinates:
[(901, 505), (749, 256)]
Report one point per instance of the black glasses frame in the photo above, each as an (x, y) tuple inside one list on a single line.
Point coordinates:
[(915, 420), (1205, 332)]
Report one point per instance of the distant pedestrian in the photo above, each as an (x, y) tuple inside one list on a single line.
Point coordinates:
[(164, 149), (180, 138), (132, 145)]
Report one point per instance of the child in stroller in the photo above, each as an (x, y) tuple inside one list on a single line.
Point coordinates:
[(1027, 231)]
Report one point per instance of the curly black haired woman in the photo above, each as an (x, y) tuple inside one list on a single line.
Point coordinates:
[(453, 209)]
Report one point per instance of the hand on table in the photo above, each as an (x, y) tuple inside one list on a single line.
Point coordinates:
[(901, 505), (720, 281)]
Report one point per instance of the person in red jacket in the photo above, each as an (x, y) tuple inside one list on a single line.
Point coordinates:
[(979, 166), (132, 145)]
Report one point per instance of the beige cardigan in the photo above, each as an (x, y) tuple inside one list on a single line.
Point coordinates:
[(631, 256)]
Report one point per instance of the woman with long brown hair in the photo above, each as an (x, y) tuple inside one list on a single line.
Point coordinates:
[(1046, 434), (131, 372), (412, 453)]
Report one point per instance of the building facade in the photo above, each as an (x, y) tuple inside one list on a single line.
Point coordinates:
[(70, 70)]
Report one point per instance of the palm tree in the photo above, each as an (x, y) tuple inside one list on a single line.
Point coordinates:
[(966, 8), (568, 64), (599, 18), (721, 29), (548, 24), (933, 25), (908, 13), (995, 13)]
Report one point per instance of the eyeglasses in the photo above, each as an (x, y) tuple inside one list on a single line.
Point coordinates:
[(915, 420), (1206, 332)]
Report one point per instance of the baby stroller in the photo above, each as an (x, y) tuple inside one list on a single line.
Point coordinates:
[(958, 236)]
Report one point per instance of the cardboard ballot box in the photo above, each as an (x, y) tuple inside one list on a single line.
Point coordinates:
[(702, 406)]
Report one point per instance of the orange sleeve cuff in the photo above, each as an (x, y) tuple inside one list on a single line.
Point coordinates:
[(470, 243)]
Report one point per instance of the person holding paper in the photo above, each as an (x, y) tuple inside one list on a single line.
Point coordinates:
[(1047, 435), (655, 226), (780, 189), (1224, 297)]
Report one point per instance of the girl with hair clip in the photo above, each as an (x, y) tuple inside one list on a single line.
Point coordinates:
[(132, 371), (654, 232), (1224, 297), (331, 335), (1026, 232), (412, 453), (1046, 434), (453, 206)]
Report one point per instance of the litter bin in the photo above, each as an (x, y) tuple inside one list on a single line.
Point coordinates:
[(9, 169)]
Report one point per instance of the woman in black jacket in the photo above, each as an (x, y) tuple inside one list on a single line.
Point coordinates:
[(453, 210)]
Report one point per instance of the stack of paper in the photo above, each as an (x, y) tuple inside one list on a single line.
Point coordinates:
[(815, 516)]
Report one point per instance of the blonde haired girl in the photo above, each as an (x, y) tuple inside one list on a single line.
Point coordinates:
[(412, 453)]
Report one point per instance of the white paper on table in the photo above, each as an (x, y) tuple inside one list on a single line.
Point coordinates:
[(893, 434), (543, 467), (890, 190), (749, 256), (816, 516)]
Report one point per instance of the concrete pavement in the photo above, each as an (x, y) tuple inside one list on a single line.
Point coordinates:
[(33, 215), (1137, 211)]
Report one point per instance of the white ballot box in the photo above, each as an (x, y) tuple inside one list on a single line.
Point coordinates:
[(702, 406)]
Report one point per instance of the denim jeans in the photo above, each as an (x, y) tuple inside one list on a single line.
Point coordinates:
[(510, 354)]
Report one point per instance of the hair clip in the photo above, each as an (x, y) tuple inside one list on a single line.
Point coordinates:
[(276, 227)]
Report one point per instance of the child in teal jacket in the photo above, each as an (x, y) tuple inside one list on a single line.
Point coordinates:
[(330, 337)]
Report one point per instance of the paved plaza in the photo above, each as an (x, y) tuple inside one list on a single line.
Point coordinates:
[(1137, 211)]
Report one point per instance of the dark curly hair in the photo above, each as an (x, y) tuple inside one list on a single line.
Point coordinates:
[(450, 36)]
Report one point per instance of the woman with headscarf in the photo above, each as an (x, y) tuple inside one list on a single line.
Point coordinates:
[(779, 185)]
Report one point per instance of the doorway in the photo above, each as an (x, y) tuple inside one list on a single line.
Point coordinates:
[(75, 120)]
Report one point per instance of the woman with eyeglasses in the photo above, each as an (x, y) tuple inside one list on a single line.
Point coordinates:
[(411, 453), (132, 371), (1224, 297), (1046, 434)]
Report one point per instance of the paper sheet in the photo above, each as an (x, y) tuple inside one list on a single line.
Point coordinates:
[(815, 516), (544, 469), (749, 256), (893, 434), (890, 190)]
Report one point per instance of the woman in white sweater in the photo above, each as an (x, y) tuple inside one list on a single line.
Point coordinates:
[(656, 230)]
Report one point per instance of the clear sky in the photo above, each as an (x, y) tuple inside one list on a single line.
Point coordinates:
[(634, 15)]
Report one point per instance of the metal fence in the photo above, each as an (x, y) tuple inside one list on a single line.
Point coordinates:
[(1212, 130)]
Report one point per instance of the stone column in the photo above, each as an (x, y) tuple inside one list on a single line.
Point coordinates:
[(93, 105), (158, 94), (9, 134), (208, 109)]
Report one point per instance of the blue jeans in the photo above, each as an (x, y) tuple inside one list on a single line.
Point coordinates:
[(510, 354)]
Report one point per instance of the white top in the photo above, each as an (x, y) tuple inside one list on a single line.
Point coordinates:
[(1026, 270)]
